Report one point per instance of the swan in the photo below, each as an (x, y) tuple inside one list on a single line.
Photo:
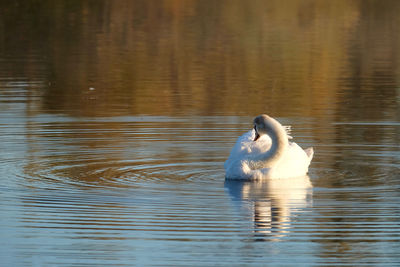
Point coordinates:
[(266, 153)]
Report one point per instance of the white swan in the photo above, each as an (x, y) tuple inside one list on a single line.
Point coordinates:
[(266, 152)]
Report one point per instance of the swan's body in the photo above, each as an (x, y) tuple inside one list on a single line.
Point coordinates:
[(266, 152)]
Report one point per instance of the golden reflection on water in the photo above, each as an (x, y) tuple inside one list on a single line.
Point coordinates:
[(292, 58)]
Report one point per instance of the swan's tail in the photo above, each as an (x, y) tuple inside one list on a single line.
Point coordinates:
[(310, 152)]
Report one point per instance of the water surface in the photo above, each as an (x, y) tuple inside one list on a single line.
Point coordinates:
[(116, 119)]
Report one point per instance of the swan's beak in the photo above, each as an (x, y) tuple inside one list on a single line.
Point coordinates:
[(257, 135)]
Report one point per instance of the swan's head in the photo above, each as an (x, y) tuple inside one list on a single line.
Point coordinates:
[(262, 125)]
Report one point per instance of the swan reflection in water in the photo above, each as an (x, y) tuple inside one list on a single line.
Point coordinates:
[(272, 204)]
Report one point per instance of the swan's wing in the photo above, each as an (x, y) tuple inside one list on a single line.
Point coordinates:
[(240, 149), (246, 146), (242, 143), (237, 164)]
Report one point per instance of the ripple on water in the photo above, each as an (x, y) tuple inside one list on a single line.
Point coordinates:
[(131, 183), (95, 153)]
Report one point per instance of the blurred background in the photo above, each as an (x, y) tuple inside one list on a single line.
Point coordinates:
[(288, 58)]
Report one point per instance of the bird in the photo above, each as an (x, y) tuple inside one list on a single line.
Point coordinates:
[(265, 152)]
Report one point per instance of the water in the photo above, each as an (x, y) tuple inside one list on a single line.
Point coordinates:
[(116, 119)]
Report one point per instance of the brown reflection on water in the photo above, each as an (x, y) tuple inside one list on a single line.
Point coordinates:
[(302, 58)]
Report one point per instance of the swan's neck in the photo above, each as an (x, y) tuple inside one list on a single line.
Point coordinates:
[(278, 148)]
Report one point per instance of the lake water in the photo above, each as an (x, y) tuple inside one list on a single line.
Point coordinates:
[(116, 118)]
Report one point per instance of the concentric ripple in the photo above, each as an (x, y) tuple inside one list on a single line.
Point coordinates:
[(120, 152)]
